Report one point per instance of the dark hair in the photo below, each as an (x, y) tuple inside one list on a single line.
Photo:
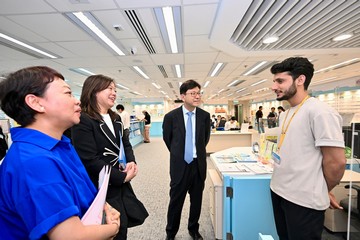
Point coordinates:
[(89, 104), (280, 107), (17, 85), (233, 118), (189, 84), (295, 67), (260, 107), (119, 106)]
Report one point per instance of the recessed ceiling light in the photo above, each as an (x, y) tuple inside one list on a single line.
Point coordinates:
[(342, 37), (270, 39)]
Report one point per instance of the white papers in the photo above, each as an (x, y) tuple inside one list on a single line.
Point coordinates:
[(94, 215), (259, 168), (228, 167), (225, 159)]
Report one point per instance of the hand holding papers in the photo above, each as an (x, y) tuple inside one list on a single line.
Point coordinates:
[(94, 215)]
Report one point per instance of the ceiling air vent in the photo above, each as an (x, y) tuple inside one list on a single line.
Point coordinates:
[(131, 14), (162, 70), (298, 25)]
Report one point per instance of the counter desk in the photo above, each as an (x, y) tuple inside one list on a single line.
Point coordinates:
[(136, 132), (240, 201)]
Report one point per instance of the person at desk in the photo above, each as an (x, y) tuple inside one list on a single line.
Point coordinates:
[(186, 132), (44, 188), (310, 159), (221, 125), (232, 124)]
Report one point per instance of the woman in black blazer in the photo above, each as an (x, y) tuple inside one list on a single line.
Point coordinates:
[(97, 141)]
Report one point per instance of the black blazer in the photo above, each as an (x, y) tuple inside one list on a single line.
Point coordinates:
[(97, 146), (174, 138)]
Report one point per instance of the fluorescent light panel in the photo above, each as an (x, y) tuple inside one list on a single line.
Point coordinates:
[(169, 22), (27, 46), (217, 69), (178, 70), (206, 84), (82, 71), (257, 67), (323, 81), (135, 93), (156, 85), (141, 72), (257, 83), (241, 89), (90, 22), (339, 65), (233, 83), (122, 86), (170, 27)]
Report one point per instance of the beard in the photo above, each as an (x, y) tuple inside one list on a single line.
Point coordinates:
[(288, 93)]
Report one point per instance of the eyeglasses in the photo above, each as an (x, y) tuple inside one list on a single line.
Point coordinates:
[(193, 94)]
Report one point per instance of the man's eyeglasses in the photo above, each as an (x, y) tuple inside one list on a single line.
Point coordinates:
[(193, 94)]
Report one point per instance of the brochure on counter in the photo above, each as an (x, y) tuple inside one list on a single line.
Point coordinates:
[(242, 163)]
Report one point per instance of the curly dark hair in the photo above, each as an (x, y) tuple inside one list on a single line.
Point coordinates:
[(295, 66)]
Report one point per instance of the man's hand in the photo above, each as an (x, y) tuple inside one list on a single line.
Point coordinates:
[(333, 203)]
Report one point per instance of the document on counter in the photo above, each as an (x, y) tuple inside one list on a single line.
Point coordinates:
[(227, 168), (225, 159), (94, 215), (259, 168), (242, 158)]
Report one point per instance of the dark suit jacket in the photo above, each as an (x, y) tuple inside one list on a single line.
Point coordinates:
[(97, 146), (174, 138)]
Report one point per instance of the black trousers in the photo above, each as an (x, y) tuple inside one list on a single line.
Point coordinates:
[(194, 185), (294, 222)]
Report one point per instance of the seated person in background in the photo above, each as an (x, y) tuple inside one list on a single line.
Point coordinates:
[(218, 119), (222, 122), (213, 121), (231, 124), (44, 188)]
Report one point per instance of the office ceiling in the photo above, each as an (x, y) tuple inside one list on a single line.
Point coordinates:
[(213, 31)]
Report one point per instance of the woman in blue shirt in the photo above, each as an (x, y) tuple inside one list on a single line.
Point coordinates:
[(44, 188)]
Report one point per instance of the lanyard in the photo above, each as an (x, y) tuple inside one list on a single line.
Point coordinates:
[(284, 130)]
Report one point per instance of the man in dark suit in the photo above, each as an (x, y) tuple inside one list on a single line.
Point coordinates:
[(187, 164)]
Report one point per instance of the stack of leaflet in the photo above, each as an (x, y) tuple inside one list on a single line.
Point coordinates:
[(259, 168), (242, 157), (225, 158)]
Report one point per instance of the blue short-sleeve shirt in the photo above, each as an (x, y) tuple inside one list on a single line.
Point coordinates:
[(42, 183)]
